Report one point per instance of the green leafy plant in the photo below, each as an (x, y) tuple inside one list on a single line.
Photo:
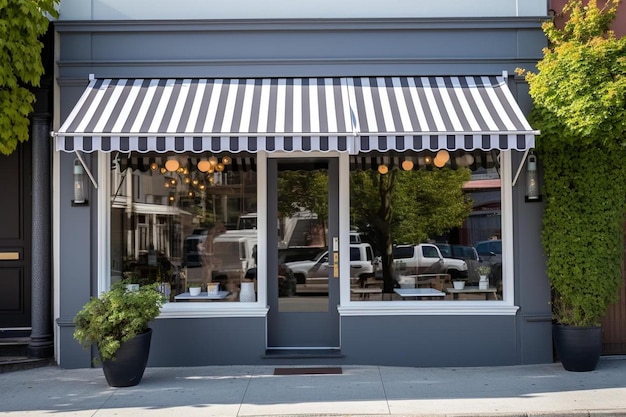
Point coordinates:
[(116, 316), (483, 269), (22, 24), (579, 95)]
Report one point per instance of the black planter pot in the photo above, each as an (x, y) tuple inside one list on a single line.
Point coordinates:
[(578, 348), (126, 369)]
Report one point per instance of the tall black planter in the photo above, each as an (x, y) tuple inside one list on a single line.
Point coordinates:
[(578, 348), (126, 370)]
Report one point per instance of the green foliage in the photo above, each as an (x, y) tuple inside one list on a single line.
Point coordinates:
[(580, 107), (581, 83), (303, 189), (423, 203), (407, 207), (117, 316), (22, 22), (429, 203), (583, 229)]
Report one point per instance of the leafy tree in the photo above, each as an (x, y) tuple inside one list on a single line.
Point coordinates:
[(303, 190), (22, 22), (579, 94), (407, 207)]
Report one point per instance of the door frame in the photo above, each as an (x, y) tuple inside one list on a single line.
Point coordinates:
[(341, 229)]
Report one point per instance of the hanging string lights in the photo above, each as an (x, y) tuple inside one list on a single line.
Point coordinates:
[(193, 178)]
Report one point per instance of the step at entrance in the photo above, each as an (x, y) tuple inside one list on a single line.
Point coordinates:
[(303, 354), (14, 355)]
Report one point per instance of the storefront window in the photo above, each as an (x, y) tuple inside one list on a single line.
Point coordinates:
[(433, 220), (185, 221)]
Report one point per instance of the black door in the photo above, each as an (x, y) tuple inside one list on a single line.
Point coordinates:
[(15, 236)]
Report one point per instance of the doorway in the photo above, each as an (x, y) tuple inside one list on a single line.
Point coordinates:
[(15, 243), (303, 283)]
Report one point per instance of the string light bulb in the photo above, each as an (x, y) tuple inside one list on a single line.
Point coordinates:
[(204, 165), (407, 165), (172, 165)]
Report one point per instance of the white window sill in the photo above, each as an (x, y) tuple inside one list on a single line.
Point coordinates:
[(195, 310), (425, 308)]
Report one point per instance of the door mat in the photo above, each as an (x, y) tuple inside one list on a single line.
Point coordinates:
[(308, 371)]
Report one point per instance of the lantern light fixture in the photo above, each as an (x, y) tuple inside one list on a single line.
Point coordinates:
[(80, 191), (532, 180)]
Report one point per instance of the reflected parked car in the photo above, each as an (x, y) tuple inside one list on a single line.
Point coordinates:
[(490, 251), (192, 249)]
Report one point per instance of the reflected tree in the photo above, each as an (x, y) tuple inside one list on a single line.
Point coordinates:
[(304, 190), (407, 207)]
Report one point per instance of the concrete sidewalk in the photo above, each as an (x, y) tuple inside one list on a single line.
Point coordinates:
[(529, 390)]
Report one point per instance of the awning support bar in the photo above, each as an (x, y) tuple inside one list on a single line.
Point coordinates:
[(82, 162), (521, 165)]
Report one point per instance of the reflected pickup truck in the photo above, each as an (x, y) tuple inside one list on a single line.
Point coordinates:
[(426, 258), (315, 271)]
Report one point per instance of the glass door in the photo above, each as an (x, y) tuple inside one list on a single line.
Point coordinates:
[(303, 283)]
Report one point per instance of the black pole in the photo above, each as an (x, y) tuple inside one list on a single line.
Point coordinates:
[(41, 344)]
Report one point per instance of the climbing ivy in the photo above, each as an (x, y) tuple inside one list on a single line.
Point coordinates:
[(579, 94), (22, 22)]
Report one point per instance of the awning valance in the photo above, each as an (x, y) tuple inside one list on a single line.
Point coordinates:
[(295, 114)]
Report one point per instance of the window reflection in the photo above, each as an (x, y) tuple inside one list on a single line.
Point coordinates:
[(434, 223), (188, 224)]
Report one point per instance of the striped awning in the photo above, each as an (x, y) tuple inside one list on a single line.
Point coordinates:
[(295, 114), (417, 113)]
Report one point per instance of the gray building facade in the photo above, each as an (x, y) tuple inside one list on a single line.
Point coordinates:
[(131, 225)]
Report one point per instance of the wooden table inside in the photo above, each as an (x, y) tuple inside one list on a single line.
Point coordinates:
[(419, 293), (202, 296), (473, 290), (366, 292)]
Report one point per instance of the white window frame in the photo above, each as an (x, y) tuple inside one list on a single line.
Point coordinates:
[(347, 306), (184, 310), (438, 307)]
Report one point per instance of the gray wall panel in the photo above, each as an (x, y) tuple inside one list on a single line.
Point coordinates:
[(77, 262), (207, 341), (429, 340), (286, 48), (532, 291), (190, 9)]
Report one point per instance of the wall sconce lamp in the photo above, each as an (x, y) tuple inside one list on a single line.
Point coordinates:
[(532, 180), (80, 191)]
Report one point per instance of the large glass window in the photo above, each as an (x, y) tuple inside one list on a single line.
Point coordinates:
[(186, 221), (433, 220)]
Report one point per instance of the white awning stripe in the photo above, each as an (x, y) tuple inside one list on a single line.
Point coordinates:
[(296, 114)]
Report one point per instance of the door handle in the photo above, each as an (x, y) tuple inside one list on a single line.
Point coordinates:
[(9, 256)]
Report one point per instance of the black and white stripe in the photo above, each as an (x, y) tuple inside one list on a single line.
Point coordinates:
[(417, 113), (296, 114)]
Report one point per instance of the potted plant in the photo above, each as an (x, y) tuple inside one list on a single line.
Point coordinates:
[(582, 150), (483, 272), (117, 322), (458, 283)]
